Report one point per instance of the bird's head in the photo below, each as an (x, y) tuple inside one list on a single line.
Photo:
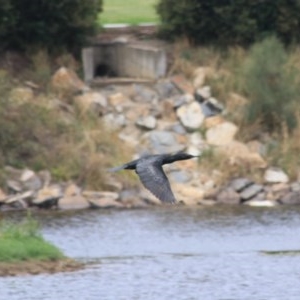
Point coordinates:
[(178, 156), (183, 155)]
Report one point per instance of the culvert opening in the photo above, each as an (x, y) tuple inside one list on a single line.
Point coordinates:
[(104, 70)]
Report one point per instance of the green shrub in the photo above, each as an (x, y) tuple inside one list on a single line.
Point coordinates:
[(270, 86), (227, 22), (47, 24)]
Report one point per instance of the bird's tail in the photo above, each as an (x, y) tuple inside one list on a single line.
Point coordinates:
[(115, 169)]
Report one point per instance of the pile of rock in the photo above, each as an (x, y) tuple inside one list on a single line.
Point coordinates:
[(28, 189), (165, 116), (274, 191)]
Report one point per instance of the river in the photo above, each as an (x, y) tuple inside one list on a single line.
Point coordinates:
[(180, 253)]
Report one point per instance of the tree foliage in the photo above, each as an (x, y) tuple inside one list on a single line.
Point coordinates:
[(47, 24), (223, 22)]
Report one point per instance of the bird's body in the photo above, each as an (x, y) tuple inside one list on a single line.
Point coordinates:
[(150, 171)]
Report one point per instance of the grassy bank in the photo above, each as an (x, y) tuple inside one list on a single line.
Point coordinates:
[(131, 11), (23, 242)]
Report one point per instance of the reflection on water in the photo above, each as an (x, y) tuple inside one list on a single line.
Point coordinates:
[(170, 253)]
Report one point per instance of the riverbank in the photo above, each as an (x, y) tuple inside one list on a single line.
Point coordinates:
[(157, 118), (23, 250), (114, 121), (35, 267)]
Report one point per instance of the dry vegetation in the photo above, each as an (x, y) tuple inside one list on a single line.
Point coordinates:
[(43, 133), (260, 90)]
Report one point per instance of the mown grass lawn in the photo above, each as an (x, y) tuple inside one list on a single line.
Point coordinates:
[(129, 11)]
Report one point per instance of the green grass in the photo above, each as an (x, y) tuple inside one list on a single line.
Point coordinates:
[(23, 241), (129, 11)]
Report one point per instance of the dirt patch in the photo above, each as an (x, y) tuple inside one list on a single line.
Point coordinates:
[(37, 267)]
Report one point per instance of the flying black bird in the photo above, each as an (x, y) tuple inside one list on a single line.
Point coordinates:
[(149, 169)]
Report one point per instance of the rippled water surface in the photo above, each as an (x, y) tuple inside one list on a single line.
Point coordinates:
[(170, 253)]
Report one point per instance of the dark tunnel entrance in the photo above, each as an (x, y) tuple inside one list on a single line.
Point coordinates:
[(104, 70)]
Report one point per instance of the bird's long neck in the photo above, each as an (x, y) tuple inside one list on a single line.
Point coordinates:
[(170, 158)]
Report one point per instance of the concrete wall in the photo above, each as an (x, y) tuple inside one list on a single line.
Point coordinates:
[(125, 60)]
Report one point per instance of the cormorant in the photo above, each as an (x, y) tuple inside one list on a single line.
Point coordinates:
[(149, 169)]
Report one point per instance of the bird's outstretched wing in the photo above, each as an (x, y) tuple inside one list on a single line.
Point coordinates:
[(155, 180)]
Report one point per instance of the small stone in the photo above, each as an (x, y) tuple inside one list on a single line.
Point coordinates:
[(207, 202), (104, 203), (279, 189), (196, 139), (295, 187), (27, 174), (148, 122), (14, 185), (144, 94), (19, 197), (66, 80), (177, 128), (72, 190), (48, 195), (19, 204), (164, 141), (134, 198), (182, 84), (90, 102), (292, 198), (73, 203), (273, 175), (30, 180), (102, 194), (114, 121), (117, 99), (221, 134), (199, 77), (165, 89), (260, 203), (213, 121), (239, 184), (251, 191), (188, 194), (211, 107), (203, 93), (181, 100), (228, 196), (190, 115)]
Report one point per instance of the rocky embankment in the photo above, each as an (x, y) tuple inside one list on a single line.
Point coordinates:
[(170, 115)]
